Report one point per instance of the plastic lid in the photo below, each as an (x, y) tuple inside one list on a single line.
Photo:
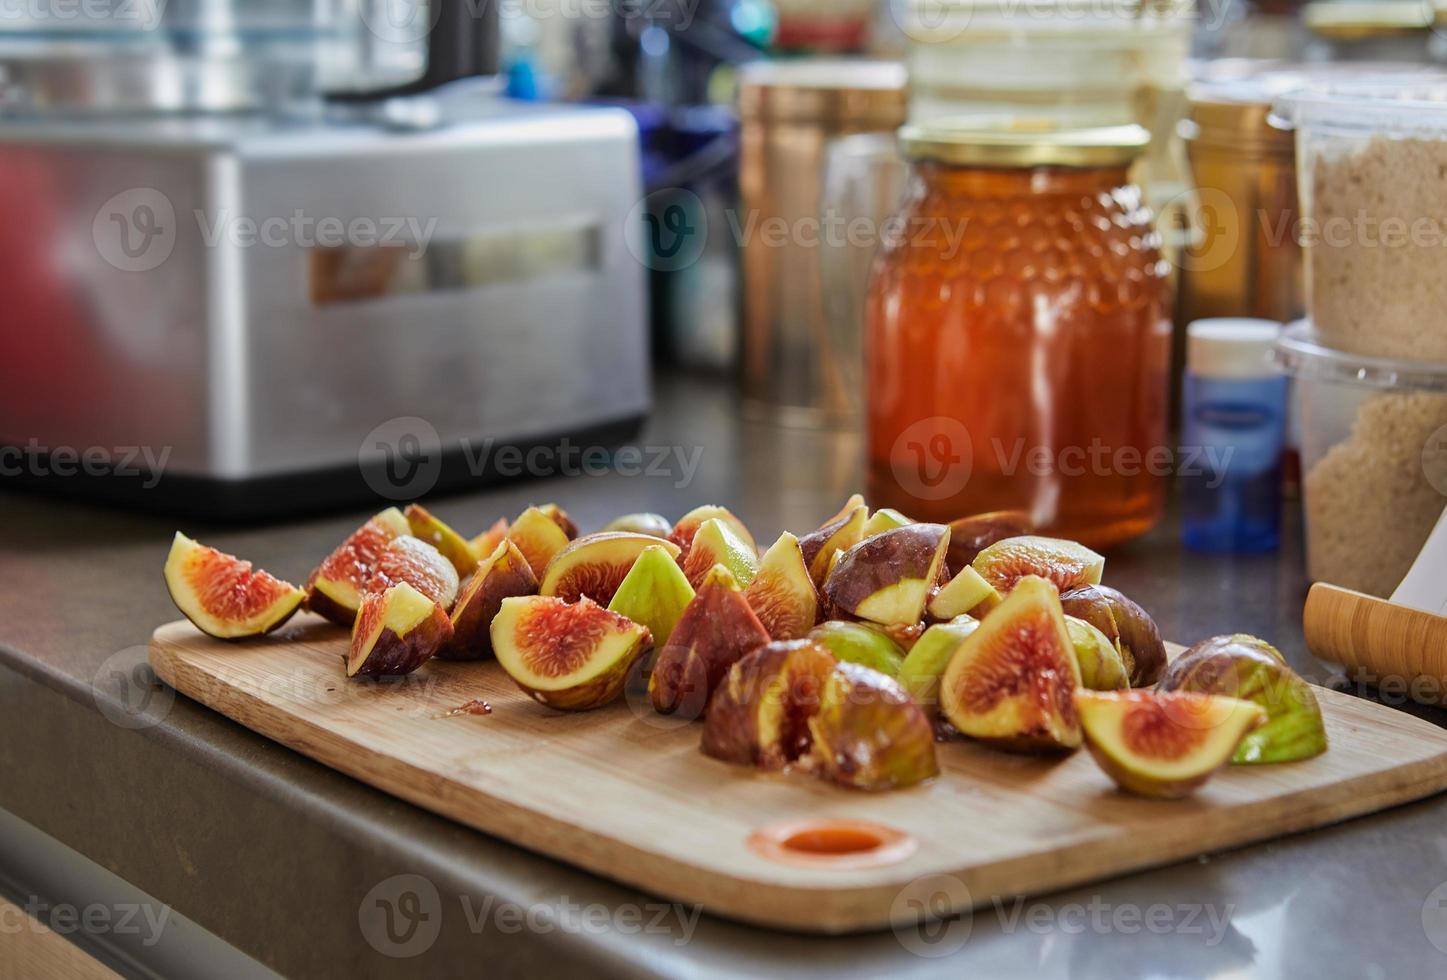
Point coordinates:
[(1300, 355), (1231, 348), (1021, 142), (1388, 104)]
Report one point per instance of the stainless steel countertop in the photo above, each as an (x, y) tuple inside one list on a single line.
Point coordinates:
[(276, 855)]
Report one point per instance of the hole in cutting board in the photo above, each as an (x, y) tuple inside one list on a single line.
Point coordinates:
[(832, 843)]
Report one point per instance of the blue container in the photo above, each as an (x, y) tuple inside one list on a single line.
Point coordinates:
[(1233, 431)]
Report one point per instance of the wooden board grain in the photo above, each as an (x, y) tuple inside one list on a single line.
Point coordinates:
[(626, 793)]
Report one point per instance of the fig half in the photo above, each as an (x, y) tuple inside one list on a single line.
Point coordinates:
[(782, 593), (501, 575), (971, 535), (887, 578), (430, 528), (759, 716), (414, 561), (716, 631), (966, 594), (858, 643), (397, 630), (222, 595), (1102, 668), (1067, 564), (716, 543), (573, 656), (838, 534), (868, 734), (335, 588), (1124, 623), (596, 564), (538, 537), (1163, 744), (1240, 667), (654, 593), (1011, 682), (689, 524)]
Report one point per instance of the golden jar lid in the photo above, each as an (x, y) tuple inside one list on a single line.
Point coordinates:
[(835, 90), (1347, 20), (1022, 142)]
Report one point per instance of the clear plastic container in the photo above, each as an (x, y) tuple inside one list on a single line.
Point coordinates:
[(1372, 173), (1374, 459)]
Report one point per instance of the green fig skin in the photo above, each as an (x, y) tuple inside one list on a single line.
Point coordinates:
[(1239, 667), (860, 644)]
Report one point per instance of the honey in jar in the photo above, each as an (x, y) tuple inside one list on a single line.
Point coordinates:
[(1017, 339)]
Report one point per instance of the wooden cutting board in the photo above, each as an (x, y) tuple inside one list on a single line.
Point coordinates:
[(627, 794)]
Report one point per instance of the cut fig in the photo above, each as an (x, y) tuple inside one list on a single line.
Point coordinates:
[(572, 656), (397, 631), (538, 537), (715, 543), (1253, 670), (501, 575), (868, 734), (1126, 624), (885, 519), (1163, 744), (1012, 680), (1066, 563), (887, 578), (414, 561), (486, 542), (653, 593), (689, 524), (966, 594), (924, 666), (222, 595), (858, 643), (782, 593), (1102, 668), (595, 565), (336, 587), (840, 533), (759, 715), (971, 535), (560, 517), (716, 631), (428, 527), (653, 525)]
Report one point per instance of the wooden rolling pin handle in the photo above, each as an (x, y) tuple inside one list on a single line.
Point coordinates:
[(1393, 647)]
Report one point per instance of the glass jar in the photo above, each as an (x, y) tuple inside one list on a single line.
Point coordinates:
[(1018, 335)]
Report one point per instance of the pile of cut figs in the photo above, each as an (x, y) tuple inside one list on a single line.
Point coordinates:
[(848, 653)]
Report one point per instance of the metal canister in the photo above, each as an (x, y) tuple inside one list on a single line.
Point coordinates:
[(1244, 260), (790, 112)]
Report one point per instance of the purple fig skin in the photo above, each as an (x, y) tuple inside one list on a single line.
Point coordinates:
[(882, 561), (1123, 621), (971, 535), (391, 654), (868, 734), (715, 631), (780, 684), (495, 580)]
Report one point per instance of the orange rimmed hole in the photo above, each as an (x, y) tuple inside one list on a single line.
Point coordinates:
[(832, 843), (834, 840)]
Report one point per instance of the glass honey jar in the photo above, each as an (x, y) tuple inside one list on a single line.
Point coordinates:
[(1017, 338)]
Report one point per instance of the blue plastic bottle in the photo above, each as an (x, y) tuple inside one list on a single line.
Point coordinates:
[(1233, 426)]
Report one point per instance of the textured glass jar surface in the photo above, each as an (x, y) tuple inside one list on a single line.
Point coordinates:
[(1017, 348)]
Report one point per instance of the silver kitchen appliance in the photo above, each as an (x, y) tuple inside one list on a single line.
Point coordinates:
[(227, 294)]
